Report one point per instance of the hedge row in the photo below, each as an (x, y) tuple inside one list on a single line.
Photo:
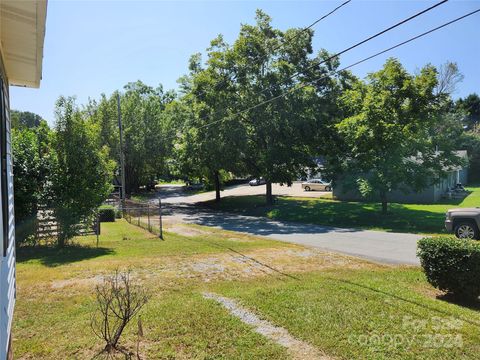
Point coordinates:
[(106, 213), (452, 265)]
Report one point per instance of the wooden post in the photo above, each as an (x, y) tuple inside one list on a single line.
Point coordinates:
[(160, 218)]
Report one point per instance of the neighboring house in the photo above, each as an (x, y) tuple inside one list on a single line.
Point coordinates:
[(22, 31), (431, 194)]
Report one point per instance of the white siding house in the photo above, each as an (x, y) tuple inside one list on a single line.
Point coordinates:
[(22, 31)]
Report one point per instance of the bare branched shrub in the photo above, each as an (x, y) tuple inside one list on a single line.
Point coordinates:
[(118, 301)]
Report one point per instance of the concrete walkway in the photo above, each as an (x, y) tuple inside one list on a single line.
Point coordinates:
[(379, 246)]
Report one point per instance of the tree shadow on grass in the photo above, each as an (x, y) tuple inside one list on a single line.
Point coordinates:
[(414, 302), (52, 256), (342, 214), (455, 300)]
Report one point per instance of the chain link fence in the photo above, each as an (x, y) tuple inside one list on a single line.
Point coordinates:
[(148, 216)]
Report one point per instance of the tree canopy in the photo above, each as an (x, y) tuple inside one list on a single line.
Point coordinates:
[(387, 140)]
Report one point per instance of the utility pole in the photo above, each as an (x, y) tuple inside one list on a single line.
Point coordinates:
[(122, 155)]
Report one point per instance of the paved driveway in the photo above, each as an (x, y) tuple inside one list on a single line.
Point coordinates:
[(379, 246), (174, 194)]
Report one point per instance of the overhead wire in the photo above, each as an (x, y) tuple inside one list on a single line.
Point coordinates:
[(301, 86)]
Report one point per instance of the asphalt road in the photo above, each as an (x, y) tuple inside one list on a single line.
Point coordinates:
[(378, 246), (174, 194)]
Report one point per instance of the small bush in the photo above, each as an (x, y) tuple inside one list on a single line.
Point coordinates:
[(452, 265), (118, 214), (119, 300), (106, 214)]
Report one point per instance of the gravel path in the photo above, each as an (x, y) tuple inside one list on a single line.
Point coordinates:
[(297, 348)]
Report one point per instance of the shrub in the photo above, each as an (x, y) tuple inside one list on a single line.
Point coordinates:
[(452, 265), (118, 214), (106, 214)]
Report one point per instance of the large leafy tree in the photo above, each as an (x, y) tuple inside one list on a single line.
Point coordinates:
[(81, 175), (25, 119), (210, 143), (470, 106), (144, 131), (269, 63), (147, 133), (390, 141), (31, 169)]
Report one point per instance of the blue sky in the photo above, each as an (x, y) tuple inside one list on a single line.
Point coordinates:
[(94, 47)]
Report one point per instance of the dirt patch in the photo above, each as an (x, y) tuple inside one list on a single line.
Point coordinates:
[(60, 284), (298, 349), (187, 230), (231, 265), (262, 262)]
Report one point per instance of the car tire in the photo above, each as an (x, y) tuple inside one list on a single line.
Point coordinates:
[(466, 230), (307, 188), (328, 188)]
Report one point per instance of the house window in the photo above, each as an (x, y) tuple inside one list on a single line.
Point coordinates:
[(3, 165)]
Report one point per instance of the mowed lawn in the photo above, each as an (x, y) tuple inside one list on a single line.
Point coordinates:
[(408, 218), (346, 307)]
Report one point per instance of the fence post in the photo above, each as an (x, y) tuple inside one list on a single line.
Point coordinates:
[(97, 227), (148, 214), (160, 218)]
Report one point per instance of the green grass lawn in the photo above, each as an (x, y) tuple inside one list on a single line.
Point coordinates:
[(171, 182), (333, 302), (358, 314), (55, 297), (411, 218)]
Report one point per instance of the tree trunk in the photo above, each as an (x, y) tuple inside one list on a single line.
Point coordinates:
[(383, 199), (216, 177), (269, 196), (60, 238)]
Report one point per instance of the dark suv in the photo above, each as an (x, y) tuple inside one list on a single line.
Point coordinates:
[(465, 223)]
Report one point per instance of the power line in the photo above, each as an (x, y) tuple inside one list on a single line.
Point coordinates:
[(344, 68), (366, 40), (313, 24), (350, 47), (287, 41)]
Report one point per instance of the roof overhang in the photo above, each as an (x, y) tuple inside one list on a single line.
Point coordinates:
[(22, 33)]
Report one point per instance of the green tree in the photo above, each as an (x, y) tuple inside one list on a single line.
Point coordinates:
[(25, 119), (147, 133), (470, 141), (81, 175), (390, 140), (209, 145), (31, 166), (279, 135), (146, 152), (470, 106)]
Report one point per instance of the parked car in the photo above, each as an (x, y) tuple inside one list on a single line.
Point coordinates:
[(317, 184), (257, 182), (464, 223)]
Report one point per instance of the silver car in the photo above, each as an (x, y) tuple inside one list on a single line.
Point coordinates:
[(316, 184)]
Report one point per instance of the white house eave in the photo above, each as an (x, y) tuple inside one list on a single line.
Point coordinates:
[(22, 33)]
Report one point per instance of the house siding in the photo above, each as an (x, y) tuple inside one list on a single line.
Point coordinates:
[(7, 256), (429, 195)]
